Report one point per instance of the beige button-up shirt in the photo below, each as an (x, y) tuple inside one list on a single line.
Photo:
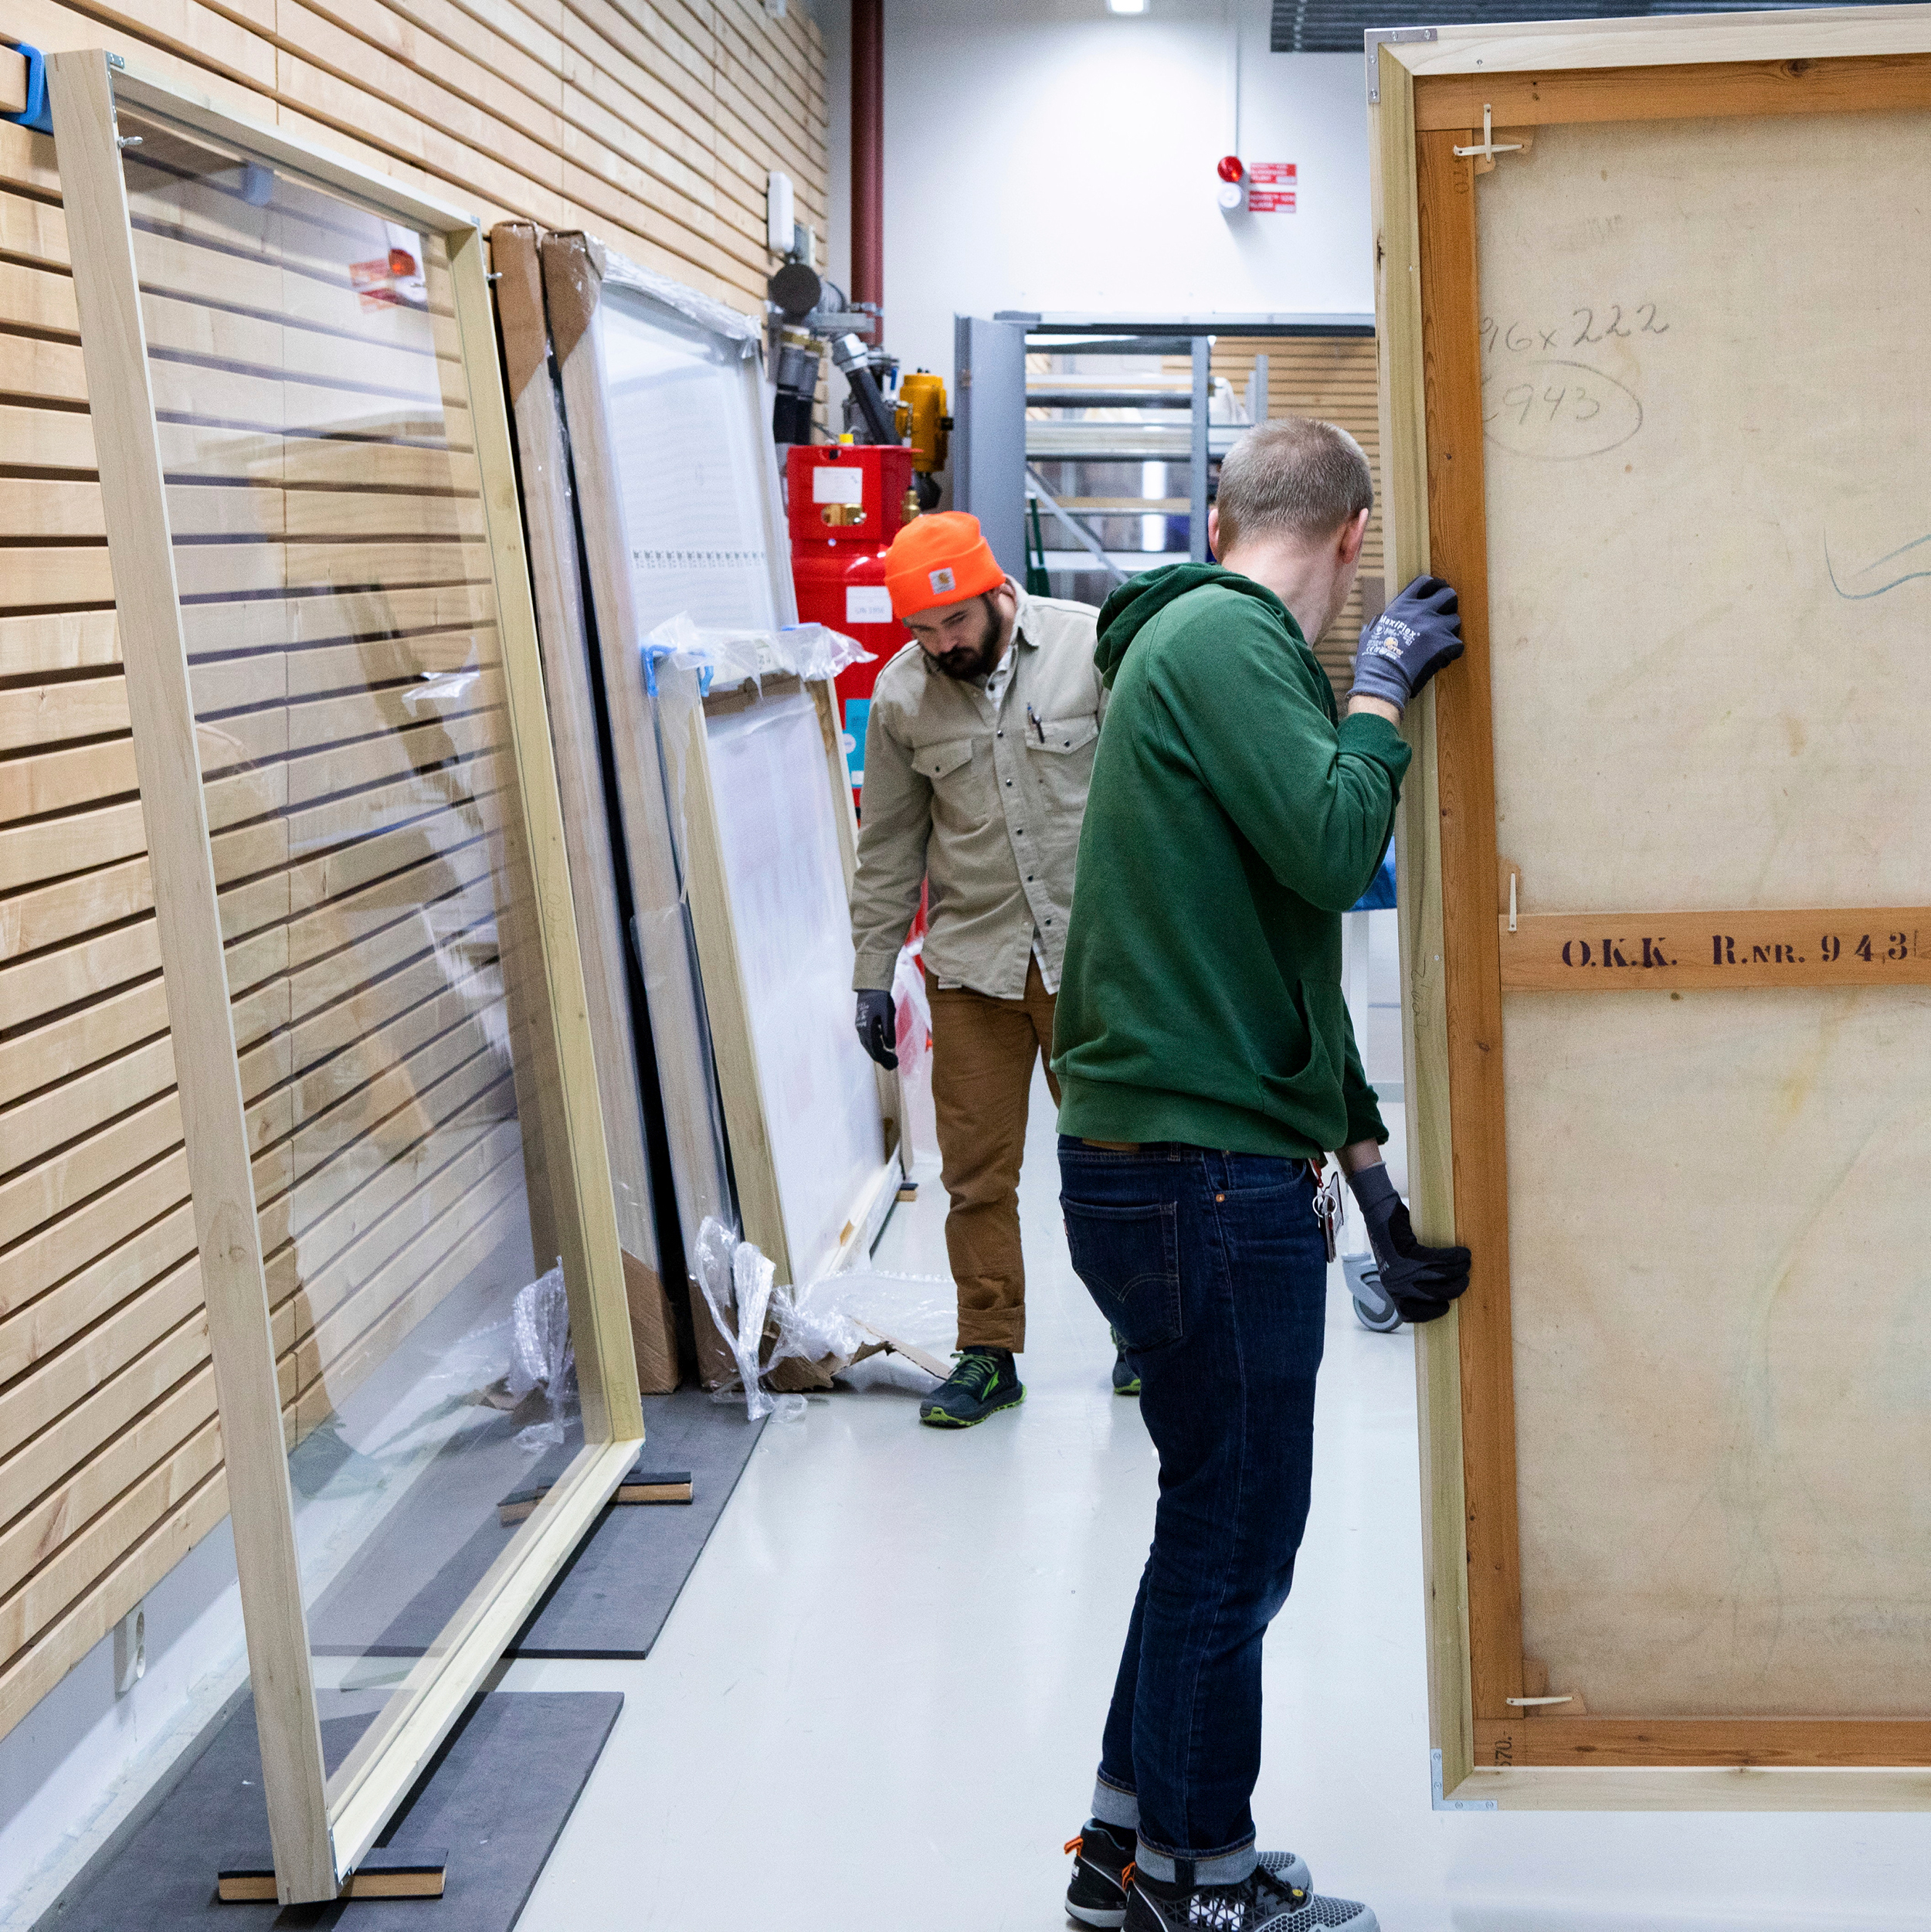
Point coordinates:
[(984, 797)]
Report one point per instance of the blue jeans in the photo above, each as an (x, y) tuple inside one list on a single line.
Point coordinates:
[(1212, 1268)]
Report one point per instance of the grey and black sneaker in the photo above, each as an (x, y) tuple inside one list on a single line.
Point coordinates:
[(1126, 1378), (983, 1381), (1102, 1870), (1264, 1901), (1101, 1857)]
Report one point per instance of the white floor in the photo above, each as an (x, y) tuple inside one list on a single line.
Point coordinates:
[(878, 1702)]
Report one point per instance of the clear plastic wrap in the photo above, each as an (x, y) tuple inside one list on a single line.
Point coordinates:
[(726, 657), (683, 662), (541, 1356), (824, 1328), (912, 1010), (747, 334)]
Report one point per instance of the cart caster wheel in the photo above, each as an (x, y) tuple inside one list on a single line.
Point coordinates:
[(1373, 1310)]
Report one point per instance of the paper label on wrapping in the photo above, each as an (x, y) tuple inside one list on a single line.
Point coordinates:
[(833, 483), (867, 604)]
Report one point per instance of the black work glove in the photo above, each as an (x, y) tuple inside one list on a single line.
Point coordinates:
[(1420, 1282), (878, 1024), (1411, 640)]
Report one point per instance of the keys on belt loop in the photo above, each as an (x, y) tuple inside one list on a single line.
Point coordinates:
[(1327, 1203)]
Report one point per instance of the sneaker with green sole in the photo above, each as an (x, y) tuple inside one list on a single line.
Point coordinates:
[(1126, 1378), (983, 1381)]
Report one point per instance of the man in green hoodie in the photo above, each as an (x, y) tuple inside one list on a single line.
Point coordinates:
[(1206, 1065)]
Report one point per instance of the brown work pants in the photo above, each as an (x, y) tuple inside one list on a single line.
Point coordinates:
[(983, 1054)]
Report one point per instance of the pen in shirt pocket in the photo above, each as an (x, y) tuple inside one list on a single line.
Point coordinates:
[(1032, 718)]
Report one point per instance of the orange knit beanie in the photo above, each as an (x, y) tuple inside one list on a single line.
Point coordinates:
[(939, 559)]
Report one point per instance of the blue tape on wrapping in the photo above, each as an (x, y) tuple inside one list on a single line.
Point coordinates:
[(35, 115), (651, 652)]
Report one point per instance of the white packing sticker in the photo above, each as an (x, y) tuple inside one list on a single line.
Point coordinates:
[(833, 483), (867, 604)]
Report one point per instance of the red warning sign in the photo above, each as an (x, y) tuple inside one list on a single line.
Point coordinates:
[(1270, 187)]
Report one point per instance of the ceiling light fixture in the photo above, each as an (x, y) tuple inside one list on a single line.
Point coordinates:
[(1126, 6)]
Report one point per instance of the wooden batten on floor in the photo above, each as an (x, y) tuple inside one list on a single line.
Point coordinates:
[(382, 1875)]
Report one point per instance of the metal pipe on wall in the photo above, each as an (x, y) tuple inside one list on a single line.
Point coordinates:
[(868, 155)]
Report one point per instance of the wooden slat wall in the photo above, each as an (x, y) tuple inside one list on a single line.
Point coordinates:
[(651, 125), (654, 128), (1332, 377), (110, 1458)]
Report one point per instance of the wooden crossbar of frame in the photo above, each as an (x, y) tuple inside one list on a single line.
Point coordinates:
[(1700, 91), (1551, 1740), (1622, 952), (321, 1825)]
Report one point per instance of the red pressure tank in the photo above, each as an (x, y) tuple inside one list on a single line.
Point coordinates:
[(847, 500)]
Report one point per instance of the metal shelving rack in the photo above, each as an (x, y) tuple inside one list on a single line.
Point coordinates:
[(1000, 444)]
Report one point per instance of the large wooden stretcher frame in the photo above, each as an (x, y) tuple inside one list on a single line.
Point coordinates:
[(322, 1827), (728, 996), (567, 668), (1431, 92), (691, 1022)]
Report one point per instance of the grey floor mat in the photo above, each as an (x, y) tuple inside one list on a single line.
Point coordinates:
[(495, 1801), (612, 1599)]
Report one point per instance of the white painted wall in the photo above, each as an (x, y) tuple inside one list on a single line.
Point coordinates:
[(1048, 155)]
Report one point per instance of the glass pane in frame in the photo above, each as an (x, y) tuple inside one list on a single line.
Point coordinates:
[(691, 459), (391, 1009), (772, 799)]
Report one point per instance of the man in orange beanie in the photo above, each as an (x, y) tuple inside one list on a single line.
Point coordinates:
[(977, 756)]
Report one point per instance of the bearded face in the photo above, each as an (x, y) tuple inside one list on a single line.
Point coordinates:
[(963, 643)]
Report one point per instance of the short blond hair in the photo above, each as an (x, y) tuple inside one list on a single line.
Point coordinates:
[(1295, 473)]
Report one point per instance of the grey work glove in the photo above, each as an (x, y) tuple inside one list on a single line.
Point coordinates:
[(878, 1024), (1411, 640), (1420, 1282)]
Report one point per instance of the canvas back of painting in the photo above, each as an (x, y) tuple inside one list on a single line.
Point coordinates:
[(1708, 487), (1650, 292)]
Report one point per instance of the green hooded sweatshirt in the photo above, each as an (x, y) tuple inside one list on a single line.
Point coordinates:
[(1231, 822)]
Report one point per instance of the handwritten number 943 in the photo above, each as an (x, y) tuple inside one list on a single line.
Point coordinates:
[(1522, 397)]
